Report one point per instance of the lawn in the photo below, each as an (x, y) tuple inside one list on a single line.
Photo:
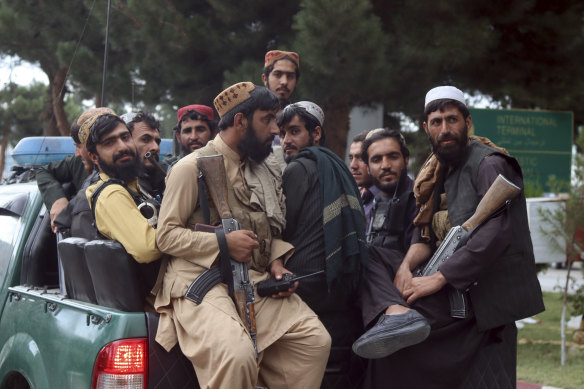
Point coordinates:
[(538, 351)]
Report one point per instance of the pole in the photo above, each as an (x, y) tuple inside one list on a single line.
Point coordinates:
[(109, 6)]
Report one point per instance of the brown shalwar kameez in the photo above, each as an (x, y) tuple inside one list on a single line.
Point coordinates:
[(293, 345)]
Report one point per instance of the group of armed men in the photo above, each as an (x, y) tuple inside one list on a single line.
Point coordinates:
[(369, 226)]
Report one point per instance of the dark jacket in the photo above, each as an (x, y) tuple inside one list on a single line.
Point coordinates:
[(508, 289)]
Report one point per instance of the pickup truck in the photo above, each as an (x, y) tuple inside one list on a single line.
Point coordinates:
[(64, 326), (54, 337)]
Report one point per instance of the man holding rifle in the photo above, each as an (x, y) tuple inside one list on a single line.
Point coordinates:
[(416, 341), (292, 344)]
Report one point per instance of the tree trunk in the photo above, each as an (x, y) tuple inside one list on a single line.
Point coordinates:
[(58, 100), (48, 117), (336, 124), (3, 146)]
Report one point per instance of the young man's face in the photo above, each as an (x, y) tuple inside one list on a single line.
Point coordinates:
[(116, 154), (282, 79), (81, 152), (294, 137), (147, 139), (448, 133), (260, 132), (386, 162), (358, 168), (193, 135)]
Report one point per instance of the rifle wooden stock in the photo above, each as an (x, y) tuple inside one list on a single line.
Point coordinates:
[(216, 178), (500, 191)]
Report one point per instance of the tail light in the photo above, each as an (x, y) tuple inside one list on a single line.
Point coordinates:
[(122, 364)]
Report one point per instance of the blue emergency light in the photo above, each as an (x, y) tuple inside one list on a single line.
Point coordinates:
[(40, 150)]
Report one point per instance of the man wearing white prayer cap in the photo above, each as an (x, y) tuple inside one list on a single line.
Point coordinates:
[(326, 224), (417, 330)]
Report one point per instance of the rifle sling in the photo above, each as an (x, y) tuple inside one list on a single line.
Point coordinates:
[(211, 277), (203, 201), (225, 261), (222, 273)]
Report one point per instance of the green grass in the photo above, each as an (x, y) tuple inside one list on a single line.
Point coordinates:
[(538, 351)]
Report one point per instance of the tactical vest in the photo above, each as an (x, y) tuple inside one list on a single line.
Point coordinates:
[(509, 289), (242, 211), (389, 221)]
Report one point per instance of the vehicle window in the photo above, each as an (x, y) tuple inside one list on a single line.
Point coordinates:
[(9, 227), (13, 204)]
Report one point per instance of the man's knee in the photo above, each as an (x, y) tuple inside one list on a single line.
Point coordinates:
[(232, 364), (320, 339), (240, 354)]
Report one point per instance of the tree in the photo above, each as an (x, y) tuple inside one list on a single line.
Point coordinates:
[(343, 59), (187, 51), (562, 228), (43, 32), (20, 110), (524, 57)]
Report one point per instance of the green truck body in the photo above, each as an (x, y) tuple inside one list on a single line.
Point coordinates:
[(48, 340)]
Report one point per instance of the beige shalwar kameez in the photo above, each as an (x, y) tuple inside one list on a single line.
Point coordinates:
[(293, 344)]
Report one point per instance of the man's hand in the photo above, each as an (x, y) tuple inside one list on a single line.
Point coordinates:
[(56, 209), (423, 286), (417, 254), (277, 270), (241, 244), (403, 278)]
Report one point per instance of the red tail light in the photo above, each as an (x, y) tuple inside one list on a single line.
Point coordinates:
[(122, 364)]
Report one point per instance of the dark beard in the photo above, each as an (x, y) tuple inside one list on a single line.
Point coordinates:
[(450, 156), (289, 158), (126, 172), (183, 150), (388, 189), (253, 147), (283, 102)]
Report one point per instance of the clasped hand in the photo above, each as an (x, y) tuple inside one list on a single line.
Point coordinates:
[(413, 288)]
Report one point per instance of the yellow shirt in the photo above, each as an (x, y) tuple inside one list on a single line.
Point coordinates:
[(117, 217)]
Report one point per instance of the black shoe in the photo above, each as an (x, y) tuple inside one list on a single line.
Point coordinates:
[(392, 333)]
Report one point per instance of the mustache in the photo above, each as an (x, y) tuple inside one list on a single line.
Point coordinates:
[(282, 88), (196, 142), (447, 137), (291, 147), (124, 153), (388, 172)]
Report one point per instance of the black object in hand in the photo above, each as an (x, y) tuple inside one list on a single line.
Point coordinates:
[(273, 286)]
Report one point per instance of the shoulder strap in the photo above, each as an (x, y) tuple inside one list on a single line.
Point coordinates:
[(203, 201), (101, 187)]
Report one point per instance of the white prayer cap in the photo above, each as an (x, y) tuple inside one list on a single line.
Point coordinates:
[(312, 109), (128, 117), (444, 92)]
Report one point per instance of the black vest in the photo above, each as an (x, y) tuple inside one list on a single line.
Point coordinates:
[(509, 289), (389, 221)]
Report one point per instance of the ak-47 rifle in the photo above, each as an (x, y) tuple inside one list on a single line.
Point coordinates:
[(500, 193), (240, 288)]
